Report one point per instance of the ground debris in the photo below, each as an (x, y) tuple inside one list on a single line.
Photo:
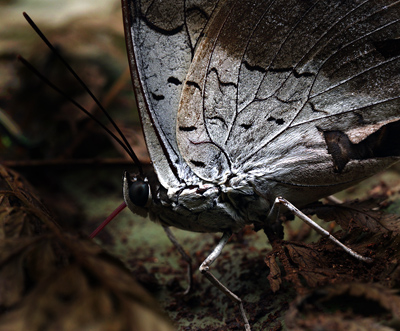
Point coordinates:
[(351, 306), (57, 281)]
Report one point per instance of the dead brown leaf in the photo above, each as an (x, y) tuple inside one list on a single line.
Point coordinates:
[(274, 276), (57, 281), (360, 214), (368, 230)]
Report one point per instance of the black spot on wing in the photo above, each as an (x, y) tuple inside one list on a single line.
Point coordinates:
[(194, 84), (174, 80), (384, 142), (157, 97), (340, 147), (198, 163), (222, 83), (388, 48), (187, 128), (293, 71), (250, 67), (246, 126), (278, 121)]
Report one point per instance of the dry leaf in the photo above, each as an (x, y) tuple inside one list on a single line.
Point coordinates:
[(359, 214), (56, 281), (369, 231), (274, 276)]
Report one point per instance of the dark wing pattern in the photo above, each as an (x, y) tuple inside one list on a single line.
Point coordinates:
[(284, 93), (162, 38)]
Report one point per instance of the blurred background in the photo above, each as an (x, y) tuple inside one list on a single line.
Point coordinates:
[(42, 134)]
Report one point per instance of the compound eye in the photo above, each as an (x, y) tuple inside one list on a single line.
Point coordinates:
[(139, 193)]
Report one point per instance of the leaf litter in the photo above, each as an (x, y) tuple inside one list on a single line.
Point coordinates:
[(321, 271), (57, 281)]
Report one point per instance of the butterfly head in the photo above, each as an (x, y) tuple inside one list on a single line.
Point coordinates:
[(137, 194)]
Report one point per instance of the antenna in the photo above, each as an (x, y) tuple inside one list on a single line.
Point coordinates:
[(124, 142)]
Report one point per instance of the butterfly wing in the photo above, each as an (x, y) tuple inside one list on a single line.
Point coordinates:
[(292, 96), (161, 40)]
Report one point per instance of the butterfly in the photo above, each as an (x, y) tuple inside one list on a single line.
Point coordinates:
[(248, 105), (300, 103)]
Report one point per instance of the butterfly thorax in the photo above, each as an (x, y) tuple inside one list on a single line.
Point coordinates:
[(205, 207)]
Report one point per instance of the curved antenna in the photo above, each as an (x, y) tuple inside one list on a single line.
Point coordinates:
[(125, 145), (75, 103)]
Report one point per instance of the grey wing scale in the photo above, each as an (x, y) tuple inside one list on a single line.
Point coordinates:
[(164, 36), (306, 95)]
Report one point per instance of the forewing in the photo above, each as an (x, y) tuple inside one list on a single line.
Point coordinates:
[(297, 92), (161, 41)]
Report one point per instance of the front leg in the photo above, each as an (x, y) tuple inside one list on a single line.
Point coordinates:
[(205, 267)]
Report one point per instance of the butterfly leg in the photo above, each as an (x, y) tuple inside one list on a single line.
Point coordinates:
[(205, 267), (333, 199), (274, 212), (184, 255)]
